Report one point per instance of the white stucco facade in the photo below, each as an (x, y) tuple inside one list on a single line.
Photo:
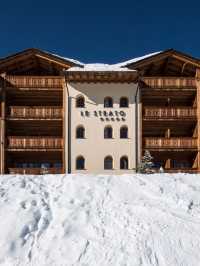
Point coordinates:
[(94, 117)]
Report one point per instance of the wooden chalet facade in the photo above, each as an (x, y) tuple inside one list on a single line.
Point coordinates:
[(33, 91), (32, 113), (169, 86)]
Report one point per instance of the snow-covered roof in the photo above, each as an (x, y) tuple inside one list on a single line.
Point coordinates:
[(136, 59), (74, 61), (98, 67), (101, 67)]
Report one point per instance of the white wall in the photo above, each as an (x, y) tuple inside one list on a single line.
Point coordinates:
[(94, 148)]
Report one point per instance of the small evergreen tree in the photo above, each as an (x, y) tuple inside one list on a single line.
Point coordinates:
[(44, 169), (146, 165), (161, 170)]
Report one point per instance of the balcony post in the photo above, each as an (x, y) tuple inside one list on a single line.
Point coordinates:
[(168, 164), (64, 131), (2, 170), (198, 115), (167, 133)]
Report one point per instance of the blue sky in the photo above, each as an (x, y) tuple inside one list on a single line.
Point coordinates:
[(100, 31)]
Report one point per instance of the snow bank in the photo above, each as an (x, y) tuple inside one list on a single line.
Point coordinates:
[(63, 220)]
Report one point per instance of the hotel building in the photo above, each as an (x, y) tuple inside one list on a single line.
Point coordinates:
[(61, 116)]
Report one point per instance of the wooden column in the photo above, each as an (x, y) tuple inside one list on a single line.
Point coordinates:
[(168, 164), (198, 116), (64, 125), (195, 163), (138, 127), (3, 131), (167, 133)]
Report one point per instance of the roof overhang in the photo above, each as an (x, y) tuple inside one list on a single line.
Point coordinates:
[(30, 56), (162, 55), (102, 76)]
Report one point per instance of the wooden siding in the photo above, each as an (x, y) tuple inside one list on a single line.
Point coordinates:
[(35, 143), (176, 82), (35, 112), (34, 82), (169, 113), (170, 143)]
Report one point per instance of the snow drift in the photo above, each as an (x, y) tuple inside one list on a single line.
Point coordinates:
[(56, 220)]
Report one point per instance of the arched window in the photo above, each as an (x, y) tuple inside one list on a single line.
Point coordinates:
[(108, 102), (80, 163), (108, 132), (124, 162), (123, 132), (108, 163), (123, 102), (80, 102), (80, 132)]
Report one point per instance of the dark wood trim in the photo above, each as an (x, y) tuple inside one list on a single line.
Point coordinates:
[(137, 113), (64, 125), (3, 104), (69, 134)]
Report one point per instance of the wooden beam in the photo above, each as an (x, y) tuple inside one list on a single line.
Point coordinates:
[(64, 99), (53, 61), (165, 65), (3, 132), (198, 115), (183, 59)]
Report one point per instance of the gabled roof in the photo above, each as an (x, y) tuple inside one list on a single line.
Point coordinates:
[(22, 59), (136, 59), (153, 57)]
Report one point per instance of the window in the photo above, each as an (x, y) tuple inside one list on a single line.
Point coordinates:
[(108, 132), (80, 163), (108, 102), (80, 132), (123, 132), (123, 102), (124, 163), (80, 102), (108, 163)]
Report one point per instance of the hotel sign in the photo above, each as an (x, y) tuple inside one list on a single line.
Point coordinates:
[(105, 115)]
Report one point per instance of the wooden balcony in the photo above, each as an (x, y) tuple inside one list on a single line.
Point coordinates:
[(170, 143), (151, 113), (34, 171), (34, 112), (169, 82), (34, 82), (34, 143), (182, 170)]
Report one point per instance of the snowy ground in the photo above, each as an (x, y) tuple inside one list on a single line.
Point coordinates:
[(100, 220)]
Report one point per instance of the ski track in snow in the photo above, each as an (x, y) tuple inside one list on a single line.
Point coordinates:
[(127, 220)]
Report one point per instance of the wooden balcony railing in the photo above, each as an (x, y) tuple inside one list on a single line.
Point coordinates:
[(35, 143), (171, 143), (34, 81), (35, 112), (169, 113), (171, 82), (181, 170), (34, 171)]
